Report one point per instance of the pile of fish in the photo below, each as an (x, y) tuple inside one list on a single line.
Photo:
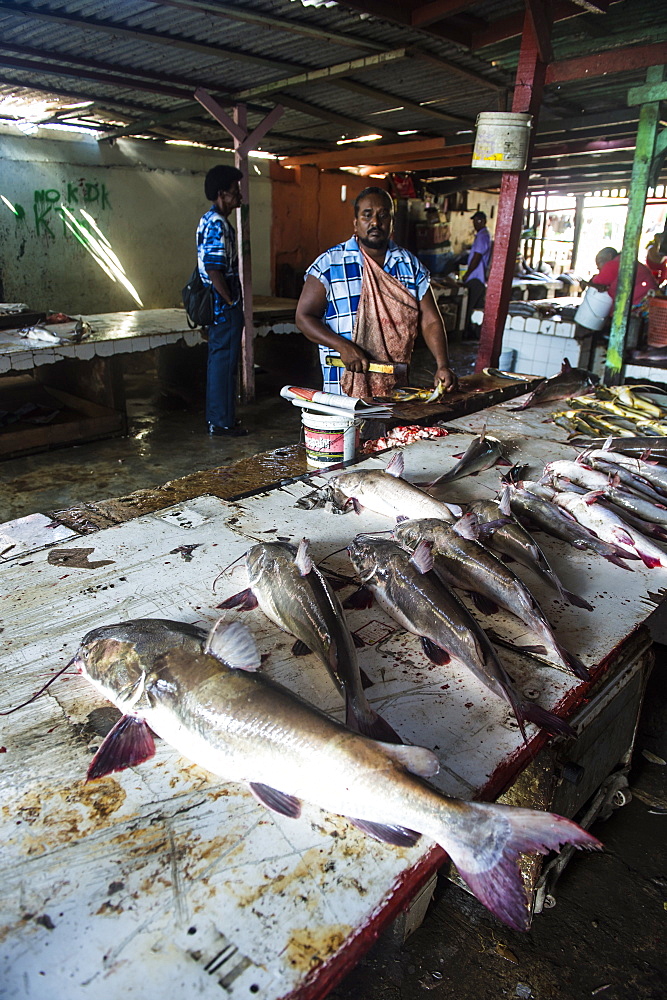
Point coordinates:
[(616, 411), (205, 693), (619, 500)]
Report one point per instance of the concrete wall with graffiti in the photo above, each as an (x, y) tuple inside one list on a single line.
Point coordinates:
[(82, 225)]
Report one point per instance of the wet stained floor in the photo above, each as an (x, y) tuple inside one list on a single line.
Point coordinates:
[(605, 935)]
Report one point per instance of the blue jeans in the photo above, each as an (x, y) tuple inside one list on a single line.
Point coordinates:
[(224, 343)]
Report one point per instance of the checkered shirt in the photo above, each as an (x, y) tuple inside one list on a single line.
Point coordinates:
[(340, 270), (217, 250)]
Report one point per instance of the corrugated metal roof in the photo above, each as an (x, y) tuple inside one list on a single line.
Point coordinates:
[(141, 61)]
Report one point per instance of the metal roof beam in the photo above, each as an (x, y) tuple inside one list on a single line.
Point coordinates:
[(290, 25), (383, 97), (163, 83), (323, 75), (78, 72), (451, 67), (400, 13), (314, 111), (123, 108), (137, 34)]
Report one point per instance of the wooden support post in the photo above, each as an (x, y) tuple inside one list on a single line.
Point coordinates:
[(245, 260), (647, 129), (528, 89), (237, 126)]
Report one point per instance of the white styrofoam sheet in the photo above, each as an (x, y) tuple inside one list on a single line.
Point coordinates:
[(167, 874)]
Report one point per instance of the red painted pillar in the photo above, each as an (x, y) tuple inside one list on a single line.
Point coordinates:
[(528, 89)]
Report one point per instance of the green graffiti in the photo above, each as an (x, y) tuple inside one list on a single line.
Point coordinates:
[(50, 196), (41, 220), (72, 193)]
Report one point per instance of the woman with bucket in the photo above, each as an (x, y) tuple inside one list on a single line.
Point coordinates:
[(364, 301)]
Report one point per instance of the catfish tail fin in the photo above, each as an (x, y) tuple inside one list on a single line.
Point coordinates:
[(485, 847), (574, 664), (370, 724), (546, 720), (576, 601)]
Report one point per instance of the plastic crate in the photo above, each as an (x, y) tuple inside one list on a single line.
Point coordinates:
[(657, 321)]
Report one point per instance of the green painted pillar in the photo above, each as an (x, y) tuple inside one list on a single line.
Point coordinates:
[(649, 117)]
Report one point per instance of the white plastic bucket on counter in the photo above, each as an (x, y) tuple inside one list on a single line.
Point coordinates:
[(594, 309), (507, 361), (501, 141), (328, 439)]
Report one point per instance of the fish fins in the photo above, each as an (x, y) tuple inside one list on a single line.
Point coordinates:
[(504, 505), (484, 604), (574, 664), (278, 802), (467, 526), (416, 760), (129, 743), (361, 598), (396, 466), (435, 653), (357, 507), (650, 561), (486, 853), (303, 560), (545, 720), (576, 601), (397, 836), (538, 649), (360, 644), (233, 645), (593, 495), (366, 682), (245, 600), (422, 557), (370, 724), (300, 649)]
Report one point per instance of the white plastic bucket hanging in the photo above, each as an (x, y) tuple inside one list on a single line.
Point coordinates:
[(328, 439), (594, 309), (501, 142)]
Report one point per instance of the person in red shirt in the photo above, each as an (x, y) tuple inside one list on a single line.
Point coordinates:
[(606, 280)]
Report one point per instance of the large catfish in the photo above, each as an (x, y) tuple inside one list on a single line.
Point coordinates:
[(567, 383), (386, 492), (292, 592), (421, 603), (245, 728)]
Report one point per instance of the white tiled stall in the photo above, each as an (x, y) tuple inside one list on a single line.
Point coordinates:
[(541, 344)]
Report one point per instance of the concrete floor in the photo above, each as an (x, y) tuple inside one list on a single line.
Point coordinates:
[(605, 937)]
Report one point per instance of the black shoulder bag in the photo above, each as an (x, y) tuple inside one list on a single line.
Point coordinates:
[(199, 301)]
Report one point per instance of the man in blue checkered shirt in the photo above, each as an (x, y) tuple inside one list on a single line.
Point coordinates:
[(328, 305), (217, 261)]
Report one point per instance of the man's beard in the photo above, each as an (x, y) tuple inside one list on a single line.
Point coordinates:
[(380, 242)]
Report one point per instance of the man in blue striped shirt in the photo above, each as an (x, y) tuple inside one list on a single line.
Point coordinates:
[(217, 261), (328, 305)]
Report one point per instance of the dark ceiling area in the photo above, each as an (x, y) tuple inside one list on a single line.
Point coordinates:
[(415, 74)]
